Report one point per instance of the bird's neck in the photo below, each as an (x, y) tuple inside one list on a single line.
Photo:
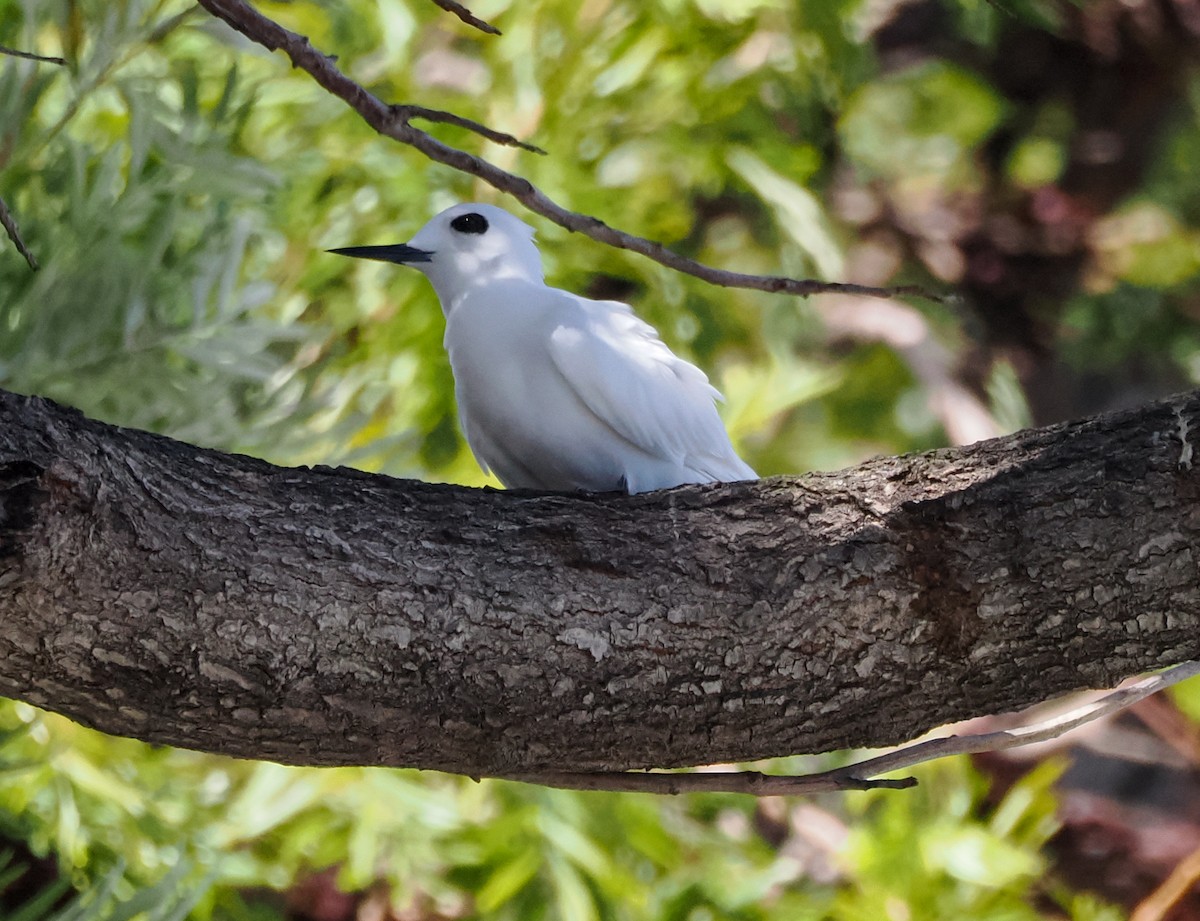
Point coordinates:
[(453, 286)]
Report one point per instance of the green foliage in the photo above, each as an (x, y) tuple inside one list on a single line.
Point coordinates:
[(180, 188), (142, 211), (921, 122), (945, 860), (171, 898), (127, 814)]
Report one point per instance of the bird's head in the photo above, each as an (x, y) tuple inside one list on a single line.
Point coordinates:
[(462, 247)]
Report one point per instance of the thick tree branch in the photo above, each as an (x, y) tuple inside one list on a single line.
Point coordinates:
[(393, 122), (183, 596)]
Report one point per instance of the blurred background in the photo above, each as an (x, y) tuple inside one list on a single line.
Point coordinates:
[(1038, 158)]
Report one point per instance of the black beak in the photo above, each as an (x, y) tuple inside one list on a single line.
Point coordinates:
[(399, 253)]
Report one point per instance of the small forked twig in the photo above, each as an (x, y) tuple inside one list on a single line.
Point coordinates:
[(452, 6), (10, 226), (406, 112), (30, 56)]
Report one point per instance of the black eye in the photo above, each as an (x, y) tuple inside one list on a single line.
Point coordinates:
[(470, 223)]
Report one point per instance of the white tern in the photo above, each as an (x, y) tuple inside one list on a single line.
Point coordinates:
[(556, 391)]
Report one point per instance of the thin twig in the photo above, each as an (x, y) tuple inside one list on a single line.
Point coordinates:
[(117, 59), (859, 776), (1159, 903), (385, 120), (29, 56), (10, 225), (407, 112), (450, 6)]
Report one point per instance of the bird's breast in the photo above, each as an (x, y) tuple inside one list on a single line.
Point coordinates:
[(520, 416)]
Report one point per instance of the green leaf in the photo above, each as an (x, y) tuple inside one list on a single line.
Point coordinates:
[(971, 855), (797, 212), (508, 879)]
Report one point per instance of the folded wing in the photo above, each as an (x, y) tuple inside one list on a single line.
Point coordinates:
[(645, 393)]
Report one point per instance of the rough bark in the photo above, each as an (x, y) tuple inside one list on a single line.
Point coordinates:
[(179, 595)]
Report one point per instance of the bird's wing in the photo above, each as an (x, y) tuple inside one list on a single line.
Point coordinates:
[(638, 387)]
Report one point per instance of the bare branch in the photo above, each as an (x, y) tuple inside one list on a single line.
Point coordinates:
[(450, 6), (385, 120), (859, 776), (29, 56), (407, 112), (10, 225)]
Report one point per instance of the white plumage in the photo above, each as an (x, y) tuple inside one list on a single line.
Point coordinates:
[(556, 391)]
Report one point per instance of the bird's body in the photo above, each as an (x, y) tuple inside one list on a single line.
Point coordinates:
[(560, 392), (557, 391)]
